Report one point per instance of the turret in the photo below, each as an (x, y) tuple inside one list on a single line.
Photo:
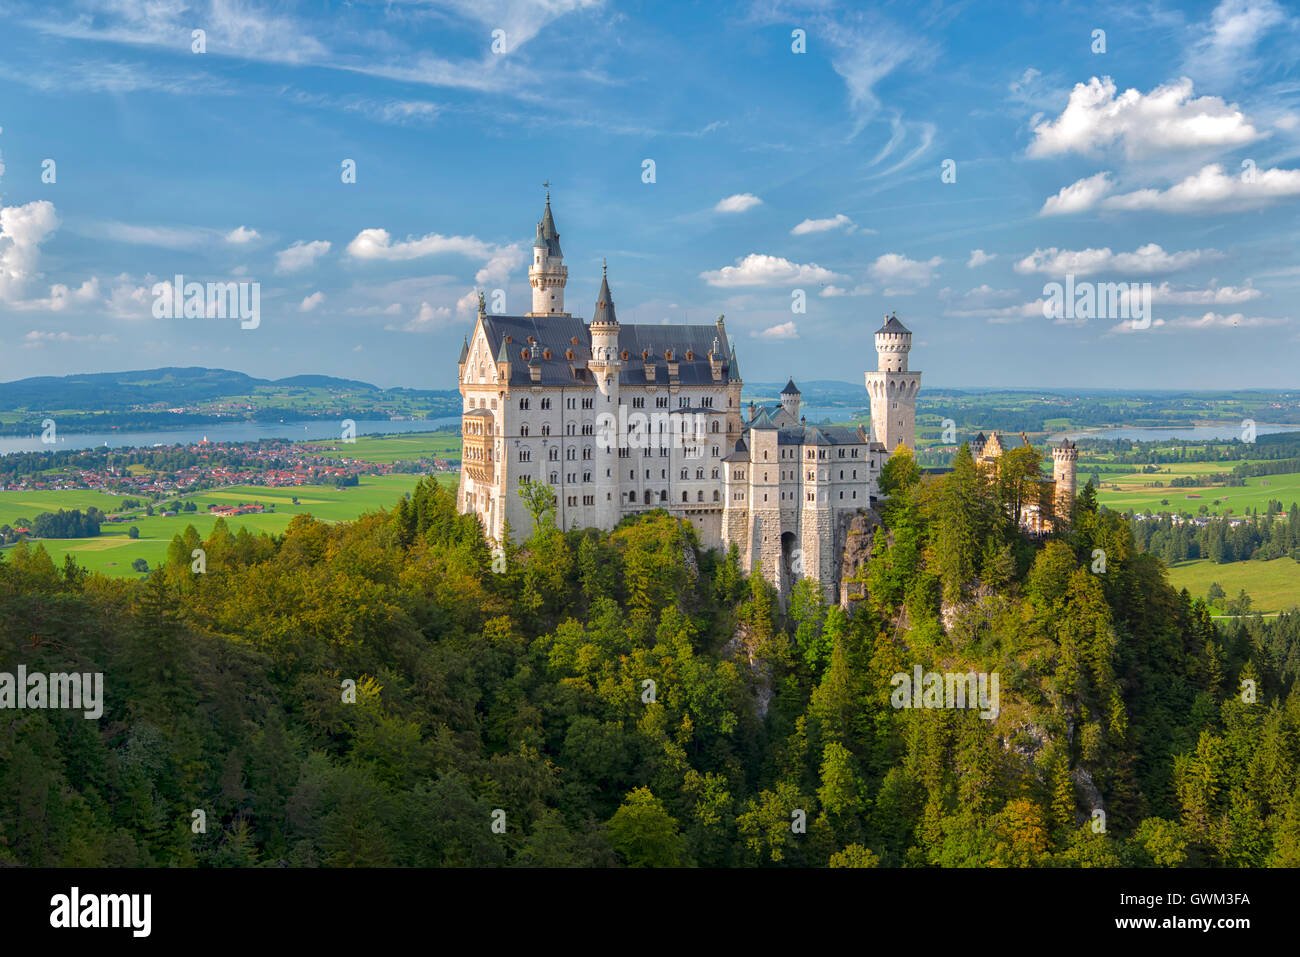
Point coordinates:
[(1065, 458), (893, 343), (605, 366), (547, 274), (790, 400), (893, 388)]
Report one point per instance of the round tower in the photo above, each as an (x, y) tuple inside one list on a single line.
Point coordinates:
[(790, 400), (892, 388), (547, 273), (1065, 458), (605, 365)]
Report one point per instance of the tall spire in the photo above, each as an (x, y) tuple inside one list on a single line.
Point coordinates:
[(604, 302), (547, 229)]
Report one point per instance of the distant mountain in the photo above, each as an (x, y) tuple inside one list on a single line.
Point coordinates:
[(175, 386)]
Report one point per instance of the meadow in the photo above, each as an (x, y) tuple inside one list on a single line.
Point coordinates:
[(1273, 586), (1134, 491), (113, 551), (387, 449)]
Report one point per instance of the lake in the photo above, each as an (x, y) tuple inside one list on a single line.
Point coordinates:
[(1229, 430), (224, 432)]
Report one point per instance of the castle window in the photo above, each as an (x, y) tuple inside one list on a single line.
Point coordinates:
[(546, 403), (588, 403), (523, 429), (715, 473), (631, 497), (699, 473), (554, 455), (699, 496), (684, 497), (663, 495), (717, 496), (546, 429), (684, 473), (638, 403), (570, 454)]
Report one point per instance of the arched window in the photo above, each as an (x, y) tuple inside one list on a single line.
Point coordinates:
[(684, 498), (716, 495), (523, 429)]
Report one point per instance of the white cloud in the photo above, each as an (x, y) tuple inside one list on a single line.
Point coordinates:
[(301, 255), (897, 272), (36, 338), (61, 297), (1213, 190), (1167, 118), (167, 237), (467, 305), (1144, 261), (831, 292), (499, 261), (312, 301), (1214, 295), (737, 203), (428, 318), (22, 230), (1078, 196), (979, 257), (784, 330), (838, 221), (757, 269), (1227, 44), (242, 235), (1209, 320)]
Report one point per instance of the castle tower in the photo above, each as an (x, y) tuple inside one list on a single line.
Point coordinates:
[(605, 365), (1065, 458), (790, 400), (547, 274), (893, 388)]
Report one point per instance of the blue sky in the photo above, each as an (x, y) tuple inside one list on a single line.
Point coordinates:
[(1173, 157)]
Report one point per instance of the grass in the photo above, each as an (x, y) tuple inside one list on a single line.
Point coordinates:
[(15, 505), (387, 449), (1134, 490), (113, 551), (1273, 586)]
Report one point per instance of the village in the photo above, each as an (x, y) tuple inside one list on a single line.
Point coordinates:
[(274, 464)]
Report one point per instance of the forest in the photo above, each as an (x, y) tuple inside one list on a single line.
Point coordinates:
[(394, 692)]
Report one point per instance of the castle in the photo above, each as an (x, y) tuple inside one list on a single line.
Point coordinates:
[(620, 419)]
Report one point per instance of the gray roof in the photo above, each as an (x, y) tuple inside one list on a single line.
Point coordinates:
[(790, 388), (558, 332), (656, 340), (893, 325), (464, 351), (548, 332)]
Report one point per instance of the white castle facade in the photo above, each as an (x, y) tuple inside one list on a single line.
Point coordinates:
[(620, 419)]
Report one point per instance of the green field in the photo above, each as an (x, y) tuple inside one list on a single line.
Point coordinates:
[(16, 505), (387, 449), (1134, 491), (112, 552), (1272, 586)]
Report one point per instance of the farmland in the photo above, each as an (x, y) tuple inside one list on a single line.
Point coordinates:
[(1272, 586), (113, 551), (1136, 490)]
